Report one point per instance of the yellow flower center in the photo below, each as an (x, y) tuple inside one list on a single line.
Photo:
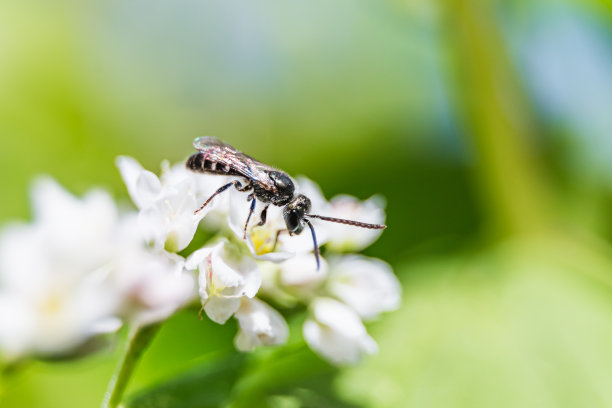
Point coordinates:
[(51, 305), (263, 240)]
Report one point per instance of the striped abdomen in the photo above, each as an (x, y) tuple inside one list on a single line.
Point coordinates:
[(198, 163)]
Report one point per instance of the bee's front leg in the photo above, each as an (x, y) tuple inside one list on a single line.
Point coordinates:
[(253, 202)]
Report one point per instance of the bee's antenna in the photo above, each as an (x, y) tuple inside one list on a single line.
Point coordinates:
[(314, 239), (348, 222)]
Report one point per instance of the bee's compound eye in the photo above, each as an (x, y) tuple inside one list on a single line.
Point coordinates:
[(292, 219)]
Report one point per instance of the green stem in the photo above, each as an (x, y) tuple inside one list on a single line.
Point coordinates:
[(139, 340), (499, 120), (3, 380), (8, 372)]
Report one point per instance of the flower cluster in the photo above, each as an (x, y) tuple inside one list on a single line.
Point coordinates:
[(78, 271), (81, 269)]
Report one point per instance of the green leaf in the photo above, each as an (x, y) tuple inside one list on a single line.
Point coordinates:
[(207, 385)]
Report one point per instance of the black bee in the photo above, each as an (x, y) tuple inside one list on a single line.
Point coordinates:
[(268, 185)]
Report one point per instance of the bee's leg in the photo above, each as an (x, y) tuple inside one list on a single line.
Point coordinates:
[(262, 216), (246, 187), (276, 239), (221, 189), (253, 202)]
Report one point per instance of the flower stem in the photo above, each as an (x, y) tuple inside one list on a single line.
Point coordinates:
[(501, 126), (139, 339), (8, 372)]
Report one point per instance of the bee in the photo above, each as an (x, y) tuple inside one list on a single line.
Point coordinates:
[(267, 184)]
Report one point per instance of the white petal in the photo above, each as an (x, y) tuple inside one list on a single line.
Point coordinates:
[(49, 199), (350, 238), (143, 186), (152, 284), (181, 231), (252, 279), (17, 326), (198, 257), (225, 272), (76, 229), (301, 271), (152, 226), (24, 266), (147, 189), (230, 268), (219, 308), (225, 275), (368, 285), (259, 324), (275, 257), (105, 326), (170, 222), (336, 332)]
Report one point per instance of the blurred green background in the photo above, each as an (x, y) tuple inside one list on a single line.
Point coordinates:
[(487, 125)]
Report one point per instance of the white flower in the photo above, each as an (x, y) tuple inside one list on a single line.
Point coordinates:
[(166, 206), (152, 285), (294, 280), (349, 238), (72, 273), (76, 229), (259, 325), (205, 185), (53, 322), (225, 275), (367, 285), (50, 274), (301, 271), (335, 332)]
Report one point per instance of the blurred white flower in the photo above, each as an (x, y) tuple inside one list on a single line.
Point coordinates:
[(367, 285), (76, 270), (335, 332), (80, 230), (50, 274), (151, 284), (348, 238), (259, 325), (225, 276), (166, 206)]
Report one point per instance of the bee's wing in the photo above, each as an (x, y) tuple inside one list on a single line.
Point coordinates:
[(221, 152)]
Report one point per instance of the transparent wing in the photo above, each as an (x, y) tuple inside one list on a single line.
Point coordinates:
[(221, 152)]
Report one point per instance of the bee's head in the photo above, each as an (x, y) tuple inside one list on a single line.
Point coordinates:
[(294, 213), (284, 187)]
